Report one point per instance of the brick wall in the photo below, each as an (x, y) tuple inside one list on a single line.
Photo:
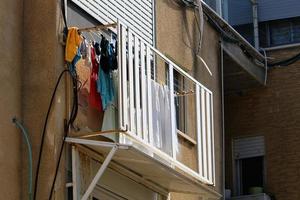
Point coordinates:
[(272, 111)]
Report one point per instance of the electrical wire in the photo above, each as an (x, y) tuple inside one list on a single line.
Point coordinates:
[(73, 112), (69, 123), (286, 62), (44, 132)]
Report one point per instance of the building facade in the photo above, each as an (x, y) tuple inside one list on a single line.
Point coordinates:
[(124, 155), (261, 123)]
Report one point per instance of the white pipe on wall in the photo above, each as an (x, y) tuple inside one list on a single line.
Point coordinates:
[(255, 23)]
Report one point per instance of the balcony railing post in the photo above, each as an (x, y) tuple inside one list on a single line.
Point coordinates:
[(124, 78), (173, 113), (198, 120), (209, 139), (131, 86), (203, 127), (149, 92), (137, 86), (120, 102), (213, 139), (144, 93)]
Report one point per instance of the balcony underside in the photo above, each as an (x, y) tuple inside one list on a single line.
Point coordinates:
[(148, 168), (240, 72)]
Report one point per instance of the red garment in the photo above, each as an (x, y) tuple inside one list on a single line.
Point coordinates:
[(94, 98)]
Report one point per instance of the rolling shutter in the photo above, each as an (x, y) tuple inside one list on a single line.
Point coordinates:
[(249, 147), (135, 13)]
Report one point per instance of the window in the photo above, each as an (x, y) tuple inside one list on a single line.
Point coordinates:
[(280, 33), (250, 174), (284, 31), (249, 164), (273, 33), (214, 4)]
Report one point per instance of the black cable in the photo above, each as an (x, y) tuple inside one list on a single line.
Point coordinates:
[(286, 62), (44, 132), (70, 122), (223, 33)]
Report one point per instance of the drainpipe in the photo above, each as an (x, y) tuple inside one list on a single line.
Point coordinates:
[(255, 22), (27, 141), (223, 116)]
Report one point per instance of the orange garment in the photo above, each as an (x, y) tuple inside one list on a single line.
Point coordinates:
[(73, 41)]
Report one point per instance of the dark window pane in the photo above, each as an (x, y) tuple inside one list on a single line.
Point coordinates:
[(211, 3), (252, 173), (296, 31), (280, 33)]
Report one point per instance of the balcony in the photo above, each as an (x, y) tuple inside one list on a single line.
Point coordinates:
[(165, 130)]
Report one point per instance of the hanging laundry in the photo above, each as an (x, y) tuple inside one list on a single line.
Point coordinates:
[(108, 59), (114, 56), (110, 114), (94, 98), (97, 48), (161, 118), (88, 61), (73, 41), (83, 48), (105, 55), (72, 65), (105, 87)]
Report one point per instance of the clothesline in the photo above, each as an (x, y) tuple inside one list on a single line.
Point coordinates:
[(99, 27)]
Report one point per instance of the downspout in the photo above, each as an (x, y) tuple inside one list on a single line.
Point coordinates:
[(223, 121), (255, 23), (27, 141)]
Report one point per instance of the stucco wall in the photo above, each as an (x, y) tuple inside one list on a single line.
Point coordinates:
[(11, 30), (43, 62), (274, 112), (177, 36)]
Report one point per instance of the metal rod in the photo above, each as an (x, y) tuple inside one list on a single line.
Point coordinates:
[(99, 173), (100, 27), (74, 172), (98, 133)]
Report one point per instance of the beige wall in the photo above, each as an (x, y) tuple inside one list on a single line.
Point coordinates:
[(274, 112), (177, 36), (43, 62), (11, 30)]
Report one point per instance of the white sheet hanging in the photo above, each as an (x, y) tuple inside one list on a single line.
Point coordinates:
[(161, 114)]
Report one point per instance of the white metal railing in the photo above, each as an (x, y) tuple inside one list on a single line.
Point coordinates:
[(137, 68)]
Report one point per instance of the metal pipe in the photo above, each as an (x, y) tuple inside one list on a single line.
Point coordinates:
[(255, 23), (27, 141), (99, 173), (223, 116)]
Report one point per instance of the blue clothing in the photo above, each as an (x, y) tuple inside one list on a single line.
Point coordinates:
[(105, 87), (72, 65)]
